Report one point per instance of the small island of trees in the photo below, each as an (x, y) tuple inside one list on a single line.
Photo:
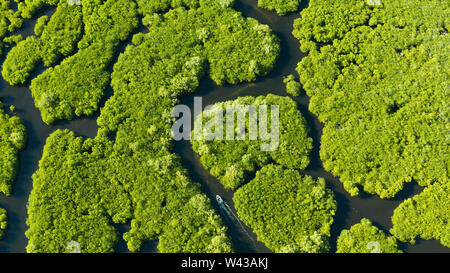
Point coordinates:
[(376, 73), (364, 237), (288, 211), (232, 162)]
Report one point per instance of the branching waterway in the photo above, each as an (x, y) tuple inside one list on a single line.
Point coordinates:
[(350, 209)]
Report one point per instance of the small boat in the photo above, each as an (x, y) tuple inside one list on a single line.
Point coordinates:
[(219, 200)]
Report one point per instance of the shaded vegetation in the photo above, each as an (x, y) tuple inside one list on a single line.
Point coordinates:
[(28, 8), (3, 222)]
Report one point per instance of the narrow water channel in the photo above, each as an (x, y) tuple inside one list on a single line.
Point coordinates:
[(350, 209)]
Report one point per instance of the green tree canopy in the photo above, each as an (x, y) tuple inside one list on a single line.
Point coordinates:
[(289, 212), (3, 222), (282, 7), (9, 21), (293, 87), (365, 238), (129, 172), (55, 39), (76, 85), (232, 162), (12, 139), (426, 215), (378, 77)]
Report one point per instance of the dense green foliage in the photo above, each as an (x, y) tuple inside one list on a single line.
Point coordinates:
[(289, 212), (232, 162), (55, 38), (12, 139), (28, 8), (293, 87), (3, 222), (378, 77), (128, 171), (75, 86), (72, 192), (9, 21), (21, 61), (150, 7), (191, 229), (358, 239), (280, 6), (83, 192), (426, 215)]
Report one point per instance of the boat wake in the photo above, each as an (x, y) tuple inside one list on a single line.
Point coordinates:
[(227, 209)]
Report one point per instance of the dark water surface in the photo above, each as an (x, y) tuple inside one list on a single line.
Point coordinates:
[(350, 209)]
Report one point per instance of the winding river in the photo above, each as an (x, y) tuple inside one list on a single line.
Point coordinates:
[(350, 209)]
